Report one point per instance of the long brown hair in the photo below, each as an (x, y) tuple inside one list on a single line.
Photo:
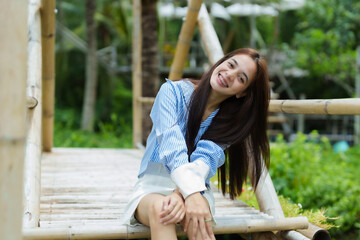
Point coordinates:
[(241, 124)]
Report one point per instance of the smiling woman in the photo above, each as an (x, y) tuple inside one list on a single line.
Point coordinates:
[(231, 77), (196, 126)]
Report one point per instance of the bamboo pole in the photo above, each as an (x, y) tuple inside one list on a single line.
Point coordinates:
[(48, 72), (209, 38), (315, 233), (267, 197), (292, 235), (345, 106), (184, 41), (33, 147), (231, 225), (137, 73), (13, 49)]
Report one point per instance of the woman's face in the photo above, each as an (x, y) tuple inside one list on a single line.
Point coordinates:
[(233, 76)]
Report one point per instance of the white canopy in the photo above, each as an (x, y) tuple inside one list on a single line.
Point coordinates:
[(168, 10)]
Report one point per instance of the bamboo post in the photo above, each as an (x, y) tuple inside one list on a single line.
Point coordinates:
[(13, 49), (184, 41), (137, 73), (33, 146), (267, 197), (208, 36), (357, 94), (48, 71), (344, 106)]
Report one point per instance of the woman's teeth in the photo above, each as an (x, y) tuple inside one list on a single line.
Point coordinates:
[(222, 81)]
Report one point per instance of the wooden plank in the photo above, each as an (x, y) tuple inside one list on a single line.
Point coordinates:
[(96, 198)]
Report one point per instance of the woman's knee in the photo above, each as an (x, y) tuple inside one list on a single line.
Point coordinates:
[(148, 208), (155, 208)]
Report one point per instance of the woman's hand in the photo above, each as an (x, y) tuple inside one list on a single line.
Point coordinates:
[(197, 211), (173, 209)]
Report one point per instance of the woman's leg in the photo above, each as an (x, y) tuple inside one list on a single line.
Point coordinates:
[(148, 213)]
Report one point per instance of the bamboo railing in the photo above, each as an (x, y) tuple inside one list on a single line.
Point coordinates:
[(33, 146), (13, 56), (184, 41), (48, 71), (345, 106), (127, 232)]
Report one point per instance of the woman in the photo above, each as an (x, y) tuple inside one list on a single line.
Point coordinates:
[(195, 128)]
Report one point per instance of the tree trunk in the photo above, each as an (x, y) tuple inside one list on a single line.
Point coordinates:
[(91, 69), (150, 69)]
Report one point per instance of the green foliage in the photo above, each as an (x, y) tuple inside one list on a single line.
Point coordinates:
[(328, 32), (114, 134), (309, 172)]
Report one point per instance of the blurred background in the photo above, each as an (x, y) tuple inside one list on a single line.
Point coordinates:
[(311, 48)]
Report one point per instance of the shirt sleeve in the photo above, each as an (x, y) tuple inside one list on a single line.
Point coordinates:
[(204, 161), (190, 177)]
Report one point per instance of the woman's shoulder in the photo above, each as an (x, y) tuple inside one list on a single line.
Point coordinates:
[(183, 83), (180, 87)]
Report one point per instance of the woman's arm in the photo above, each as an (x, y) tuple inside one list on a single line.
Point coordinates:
[(167, 112)]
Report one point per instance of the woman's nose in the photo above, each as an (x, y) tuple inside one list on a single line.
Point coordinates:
[(231, 75)]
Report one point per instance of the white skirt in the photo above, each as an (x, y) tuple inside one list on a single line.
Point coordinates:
[(157, 182)]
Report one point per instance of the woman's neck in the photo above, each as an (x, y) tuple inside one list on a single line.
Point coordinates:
[(214, 101), (212, 104)]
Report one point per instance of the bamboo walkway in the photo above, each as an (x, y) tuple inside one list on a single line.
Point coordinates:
[(86, 190)]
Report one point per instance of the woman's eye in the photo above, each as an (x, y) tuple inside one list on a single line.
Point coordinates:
[(231, 65), (241, 79)]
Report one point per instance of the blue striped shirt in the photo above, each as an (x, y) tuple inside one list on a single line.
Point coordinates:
[(166, 142)]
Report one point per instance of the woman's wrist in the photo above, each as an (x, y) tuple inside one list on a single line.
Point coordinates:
[(177, 191), (195, 194)]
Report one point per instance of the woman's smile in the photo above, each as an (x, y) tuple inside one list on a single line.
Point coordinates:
[(222, 81)]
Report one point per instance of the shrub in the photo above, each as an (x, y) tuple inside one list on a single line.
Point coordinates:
[(309, 172)]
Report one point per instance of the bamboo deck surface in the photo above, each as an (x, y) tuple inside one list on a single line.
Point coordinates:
[(90, 187)]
